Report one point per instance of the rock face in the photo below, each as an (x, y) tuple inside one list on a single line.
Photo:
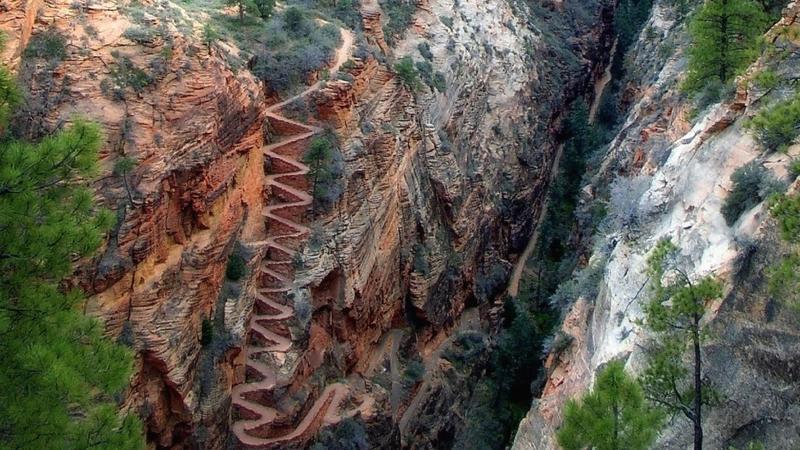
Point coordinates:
[(439, 190), (441, 186), (195, 132), (754, 343)]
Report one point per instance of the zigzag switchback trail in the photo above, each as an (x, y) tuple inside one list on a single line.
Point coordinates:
[(283, 217)]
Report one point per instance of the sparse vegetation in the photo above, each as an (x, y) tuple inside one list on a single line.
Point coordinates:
[(784, 276), (50, 45), (623, 211), (767, 79), (433, 80), (421, 265), (447, 21), (296, 48), (752, 184), (236, 267), (425, 50), (407, 73), (124, 74), (325, 169), (777, 126), (784, 281), (399, 14), (413, 373), (628, 21), (349, 434)]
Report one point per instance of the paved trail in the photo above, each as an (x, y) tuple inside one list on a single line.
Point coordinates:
[(284, 217)]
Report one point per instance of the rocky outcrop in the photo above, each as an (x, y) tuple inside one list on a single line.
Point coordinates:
[(690, 164)]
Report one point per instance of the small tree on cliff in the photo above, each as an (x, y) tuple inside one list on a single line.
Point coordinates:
[(724, 41), (319, 159), (674, 315), (122, 168), (58, 373), (614, 416), (210, 37)]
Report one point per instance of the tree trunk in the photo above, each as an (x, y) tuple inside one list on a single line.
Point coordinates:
[(698, 389)]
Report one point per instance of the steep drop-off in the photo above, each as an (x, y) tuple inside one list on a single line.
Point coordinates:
[(686, 164), (439, 190)]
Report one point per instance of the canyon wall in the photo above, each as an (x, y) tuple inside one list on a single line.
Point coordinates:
[(686, 164), (442, 186), (194, 131), (439, 190)]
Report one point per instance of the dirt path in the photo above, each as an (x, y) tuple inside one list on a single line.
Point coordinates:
[(519, 267), (600, 85), (285, 217)]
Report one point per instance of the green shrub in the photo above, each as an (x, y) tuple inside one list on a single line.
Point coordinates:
[(293, 20), (794, 168), (294, 49), (49, 44), (767, 79), (140, 34), (784, 281), (425, 50), (433, 80), (399, 14), (407, 73), (776, 127), (447, 21), (786, 210), (264, 8), (413, 373), (125, 74), (466, 349), (752, 183), (236, 268), (784, 277)]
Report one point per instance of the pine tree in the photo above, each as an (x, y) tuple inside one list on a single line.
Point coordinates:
[(58, 373), (319, 158), (674, 315), (614, 416), (724, 41)]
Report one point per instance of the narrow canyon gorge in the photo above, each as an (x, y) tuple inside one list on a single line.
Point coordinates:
[(419, 224)]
